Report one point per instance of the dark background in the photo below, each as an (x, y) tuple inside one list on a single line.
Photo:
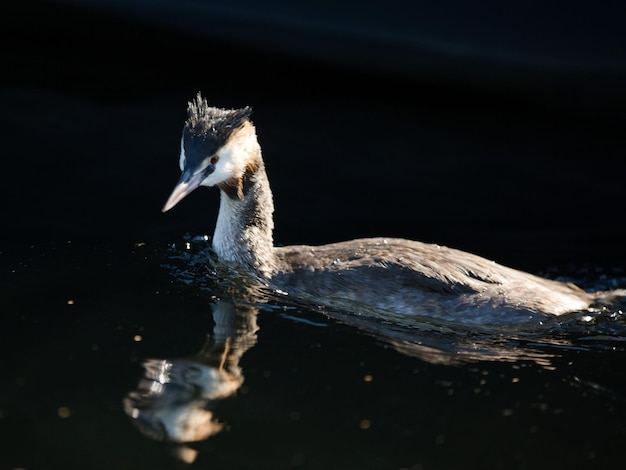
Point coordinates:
[(497, 129)]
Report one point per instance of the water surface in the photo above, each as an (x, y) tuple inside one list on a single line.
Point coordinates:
[(118, 359)]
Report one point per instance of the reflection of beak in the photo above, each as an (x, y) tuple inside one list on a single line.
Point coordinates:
[(185, 185)]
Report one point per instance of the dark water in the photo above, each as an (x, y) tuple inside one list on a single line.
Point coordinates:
[(297, 388), (120, 350)]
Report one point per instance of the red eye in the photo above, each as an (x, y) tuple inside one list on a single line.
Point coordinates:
[(214, 159)]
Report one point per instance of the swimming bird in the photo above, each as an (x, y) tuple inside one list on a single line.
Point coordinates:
[(219, 147)]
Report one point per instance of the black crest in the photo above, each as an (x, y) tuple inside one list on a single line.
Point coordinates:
[(208, 128), (215, 123)]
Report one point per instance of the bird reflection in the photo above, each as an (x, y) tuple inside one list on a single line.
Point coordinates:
[(447, 343), (452, 345), (173, 400)]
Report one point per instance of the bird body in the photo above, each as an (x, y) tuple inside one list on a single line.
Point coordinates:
[(410, 277), (220, 148)]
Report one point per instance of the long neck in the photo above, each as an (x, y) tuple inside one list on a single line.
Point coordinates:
[(243, 233)]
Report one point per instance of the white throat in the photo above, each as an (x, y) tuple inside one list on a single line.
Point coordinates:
[(226, 241)]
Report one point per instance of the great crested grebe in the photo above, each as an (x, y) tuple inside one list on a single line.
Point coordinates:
[(219, 147)]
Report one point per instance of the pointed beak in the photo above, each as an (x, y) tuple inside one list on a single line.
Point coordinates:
[(185, 185)]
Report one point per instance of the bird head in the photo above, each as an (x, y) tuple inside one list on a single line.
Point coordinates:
[(217, 146)]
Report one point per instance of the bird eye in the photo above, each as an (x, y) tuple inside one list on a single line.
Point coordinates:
[(214, 159)]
